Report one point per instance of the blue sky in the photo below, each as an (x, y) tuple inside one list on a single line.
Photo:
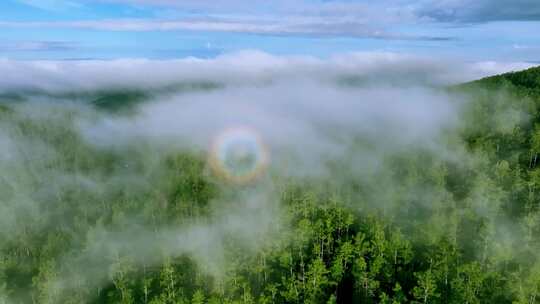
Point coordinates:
[(499, 30)]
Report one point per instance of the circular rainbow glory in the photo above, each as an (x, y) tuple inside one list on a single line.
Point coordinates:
[(238, 155)]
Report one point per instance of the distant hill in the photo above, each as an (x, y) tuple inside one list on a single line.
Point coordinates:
[(502, 117), (526, 79), (524, 83), (114, 100)]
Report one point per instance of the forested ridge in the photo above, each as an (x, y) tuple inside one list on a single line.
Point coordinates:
[(460, 223)]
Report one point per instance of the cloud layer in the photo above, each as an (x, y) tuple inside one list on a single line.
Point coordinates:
[(243, 68)]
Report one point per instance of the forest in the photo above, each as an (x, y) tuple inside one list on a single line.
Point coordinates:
[(93, 210)]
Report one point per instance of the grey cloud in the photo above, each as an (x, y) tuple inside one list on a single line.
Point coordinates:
[(481, 10)]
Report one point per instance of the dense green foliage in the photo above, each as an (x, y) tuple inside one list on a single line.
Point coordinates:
[(455, 226)]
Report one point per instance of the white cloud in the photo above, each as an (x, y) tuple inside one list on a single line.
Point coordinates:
[(317, 26), (347, 91), (243, 68)]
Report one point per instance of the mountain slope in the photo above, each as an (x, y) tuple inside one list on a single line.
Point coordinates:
[(134, 223), (527, 79)]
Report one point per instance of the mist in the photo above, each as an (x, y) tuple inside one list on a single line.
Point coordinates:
[(245, 68), (338, 119)]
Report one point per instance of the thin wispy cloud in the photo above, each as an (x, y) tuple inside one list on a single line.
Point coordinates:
[(24, 46), (385, 11), (424, 26), (53, 5), (304, 26), (397, 10)]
